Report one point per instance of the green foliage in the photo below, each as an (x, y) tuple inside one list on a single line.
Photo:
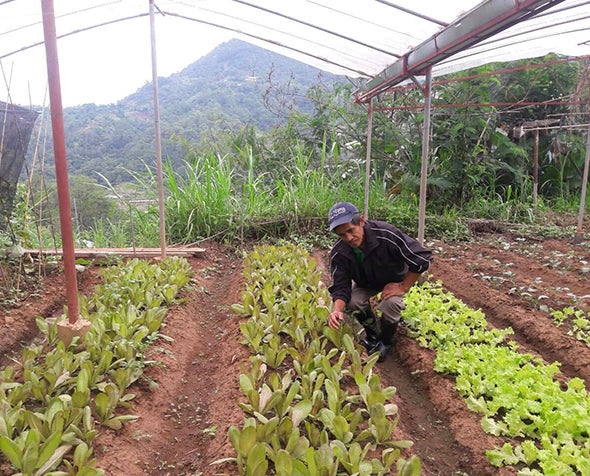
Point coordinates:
[(518, 395), (200, 203), (403, 213), (235, 85), (49, 405), (90, 202), (303, 412), (267, 158), (578, 320)]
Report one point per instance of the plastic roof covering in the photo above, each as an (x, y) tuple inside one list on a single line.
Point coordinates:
[(357, 38), (360, 38)]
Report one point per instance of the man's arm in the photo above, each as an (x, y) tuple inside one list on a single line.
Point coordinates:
[(340, 288), (408, 249), (337, 314), (399, 289)]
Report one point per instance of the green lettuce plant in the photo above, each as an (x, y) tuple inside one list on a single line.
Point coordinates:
[(519, 396), (309, 393), (49, 404)]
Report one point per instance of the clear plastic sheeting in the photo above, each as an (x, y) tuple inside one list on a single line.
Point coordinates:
[(350, 37), (563, 29), (354, 38), (357, 38), (361, 38)]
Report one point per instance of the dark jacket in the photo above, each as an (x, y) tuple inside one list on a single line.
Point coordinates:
[(388, 255)]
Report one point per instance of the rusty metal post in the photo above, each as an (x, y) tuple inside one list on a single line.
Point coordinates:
[(536, 168), (61, 167)]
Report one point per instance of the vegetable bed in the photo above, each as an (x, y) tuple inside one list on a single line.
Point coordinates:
[(189, 394)]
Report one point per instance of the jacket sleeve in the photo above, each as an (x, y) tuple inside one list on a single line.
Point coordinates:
[(420, 257), (411, 251), (341, 280)]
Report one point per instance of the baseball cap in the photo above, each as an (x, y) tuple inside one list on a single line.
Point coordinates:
[(340, 213)]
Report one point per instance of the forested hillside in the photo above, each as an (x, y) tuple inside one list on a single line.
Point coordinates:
[(235, 85), (244, 146)]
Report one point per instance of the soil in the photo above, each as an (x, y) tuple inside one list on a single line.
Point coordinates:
[(188, 398)]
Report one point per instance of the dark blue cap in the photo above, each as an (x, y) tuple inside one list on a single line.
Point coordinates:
[(340, 213)]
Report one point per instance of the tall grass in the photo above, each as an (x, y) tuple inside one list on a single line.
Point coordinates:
[(212, 197), (306, 191), (255, 198), (200, 203), (229, 197), (107, 233)]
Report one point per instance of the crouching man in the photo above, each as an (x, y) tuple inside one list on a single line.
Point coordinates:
[(371, 257)]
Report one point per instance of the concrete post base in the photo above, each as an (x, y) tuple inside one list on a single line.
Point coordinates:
[(66, 331)]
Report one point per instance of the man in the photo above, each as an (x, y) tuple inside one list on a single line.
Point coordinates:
[(370, 257)]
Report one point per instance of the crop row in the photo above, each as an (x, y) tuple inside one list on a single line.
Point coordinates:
[(51, 402), (578, 320), (543, 420), (312, 405)]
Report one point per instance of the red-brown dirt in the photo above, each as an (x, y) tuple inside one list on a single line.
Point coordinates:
[(188, 399)]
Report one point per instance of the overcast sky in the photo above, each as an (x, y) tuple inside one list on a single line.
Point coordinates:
[(98, 66)]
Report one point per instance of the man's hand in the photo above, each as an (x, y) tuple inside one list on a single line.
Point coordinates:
[(335, 318), (393, 289), (337, 314)]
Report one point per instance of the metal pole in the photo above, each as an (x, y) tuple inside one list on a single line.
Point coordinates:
[(158, 134), (61, 167), (536, 169), (579, 235), (427, 90), (368, 157)]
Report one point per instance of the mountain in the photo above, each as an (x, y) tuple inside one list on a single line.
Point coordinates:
[(235, 84)]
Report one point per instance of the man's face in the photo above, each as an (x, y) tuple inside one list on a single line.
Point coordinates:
[(352, 234)]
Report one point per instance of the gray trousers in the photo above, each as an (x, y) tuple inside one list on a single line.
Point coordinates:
[(390, 308)]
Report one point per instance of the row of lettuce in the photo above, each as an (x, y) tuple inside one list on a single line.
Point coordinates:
[(577, 320), (333, 418), (312, 405), (542, 417), (54, 400)]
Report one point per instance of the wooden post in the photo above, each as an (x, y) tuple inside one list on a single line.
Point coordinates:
[(579, 235), (158, 133), (427, 90)]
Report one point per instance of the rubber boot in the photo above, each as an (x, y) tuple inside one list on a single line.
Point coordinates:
[(368, 320), (388, 330)]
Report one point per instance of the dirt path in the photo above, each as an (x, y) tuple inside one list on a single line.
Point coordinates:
[(189, 397), (184, 420)]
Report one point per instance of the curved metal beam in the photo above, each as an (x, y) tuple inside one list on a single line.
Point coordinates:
[(412, 12), (316, 27), (487, 19)]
